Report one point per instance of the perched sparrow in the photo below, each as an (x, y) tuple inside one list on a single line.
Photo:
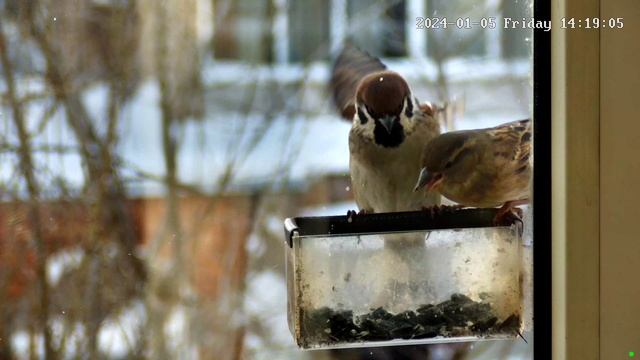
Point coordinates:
[(390, 129), (480, 168)]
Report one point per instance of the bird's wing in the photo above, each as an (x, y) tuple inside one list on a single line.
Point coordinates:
[(428, 108), (512, 141), (349, 68)]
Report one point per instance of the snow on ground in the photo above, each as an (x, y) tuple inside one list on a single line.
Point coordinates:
[(61, 262), (118, 334), (177, 333), (339, 208), (20, 344), (264, 300)]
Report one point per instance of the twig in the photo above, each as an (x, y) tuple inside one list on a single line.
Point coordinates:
[(100, 162), (46, 117), (46, 148), (25, 99), (113, 220), (28, 172)]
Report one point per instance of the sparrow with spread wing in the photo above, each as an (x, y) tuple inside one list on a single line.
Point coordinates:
[(390, 129), (481, 168)]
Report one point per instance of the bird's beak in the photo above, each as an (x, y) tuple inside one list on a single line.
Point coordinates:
[(430, 180), (387, 122)]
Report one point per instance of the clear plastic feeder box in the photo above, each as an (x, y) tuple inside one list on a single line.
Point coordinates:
[(403, 278)]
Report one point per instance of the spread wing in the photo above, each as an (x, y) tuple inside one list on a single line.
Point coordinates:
[(512, 141), (349, 68)]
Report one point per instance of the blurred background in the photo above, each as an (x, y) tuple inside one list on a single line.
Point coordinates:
[(150, 150)]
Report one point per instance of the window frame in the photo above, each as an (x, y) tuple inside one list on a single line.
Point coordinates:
[(542, 278), (415, 41)]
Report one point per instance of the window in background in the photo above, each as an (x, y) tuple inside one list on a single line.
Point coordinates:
[(386, 35), (243, 30), (453, 41), (308, 30), (516, 43)]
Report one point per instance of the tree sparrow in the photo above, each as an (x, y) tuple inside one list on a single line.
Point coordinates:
[(481, 168), (390, 129)]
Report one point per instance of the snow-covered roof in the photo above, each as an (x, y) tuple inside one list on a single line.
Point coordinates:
[(283, 149)]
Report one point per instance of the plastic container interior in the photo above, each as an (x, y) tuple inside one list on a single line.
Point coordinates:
[(383, 279)]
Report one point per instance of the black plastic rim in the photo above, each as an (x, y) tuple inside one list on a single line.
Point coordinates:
[(392, 222)]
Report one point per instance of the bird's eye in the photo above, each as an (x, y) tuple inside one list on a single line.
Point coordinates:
[(448, 164)]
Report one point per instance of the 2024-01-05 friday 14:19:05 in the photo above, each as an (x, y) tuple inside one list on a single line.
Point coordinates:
[(423, 23)]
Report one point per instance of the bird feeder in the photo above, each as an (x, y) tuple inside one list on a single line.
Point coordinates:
[(403, 278)]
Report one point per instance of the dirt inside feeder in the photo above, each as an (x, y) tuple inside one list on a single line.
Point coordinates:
[(455, 317)]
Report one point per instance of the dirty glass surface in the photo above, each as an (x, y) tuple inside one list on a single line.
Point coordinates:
[(438, 285), (150, 150)]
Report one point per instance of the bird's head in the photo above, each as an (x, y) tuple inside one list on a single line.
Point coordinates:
[(384, 108), (449, 158)]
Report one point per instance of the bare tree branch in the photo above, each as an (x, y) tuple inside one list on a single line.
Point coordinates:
[(28, 172)]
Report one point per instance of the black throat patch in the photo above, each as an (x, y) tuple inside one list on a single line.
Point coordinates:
[(388, 139)]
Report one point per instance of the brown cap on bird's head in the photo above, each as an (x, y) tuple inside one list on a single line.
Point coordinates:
[(383, 93)]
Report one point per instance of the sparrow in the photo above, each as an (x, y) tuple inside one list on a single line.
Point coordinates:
[(390, 128), (481, 168)]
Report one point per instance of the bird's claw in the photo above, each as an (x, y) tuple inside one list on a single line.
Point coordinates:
[(352, 213), (440, 209), (507, 216)]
